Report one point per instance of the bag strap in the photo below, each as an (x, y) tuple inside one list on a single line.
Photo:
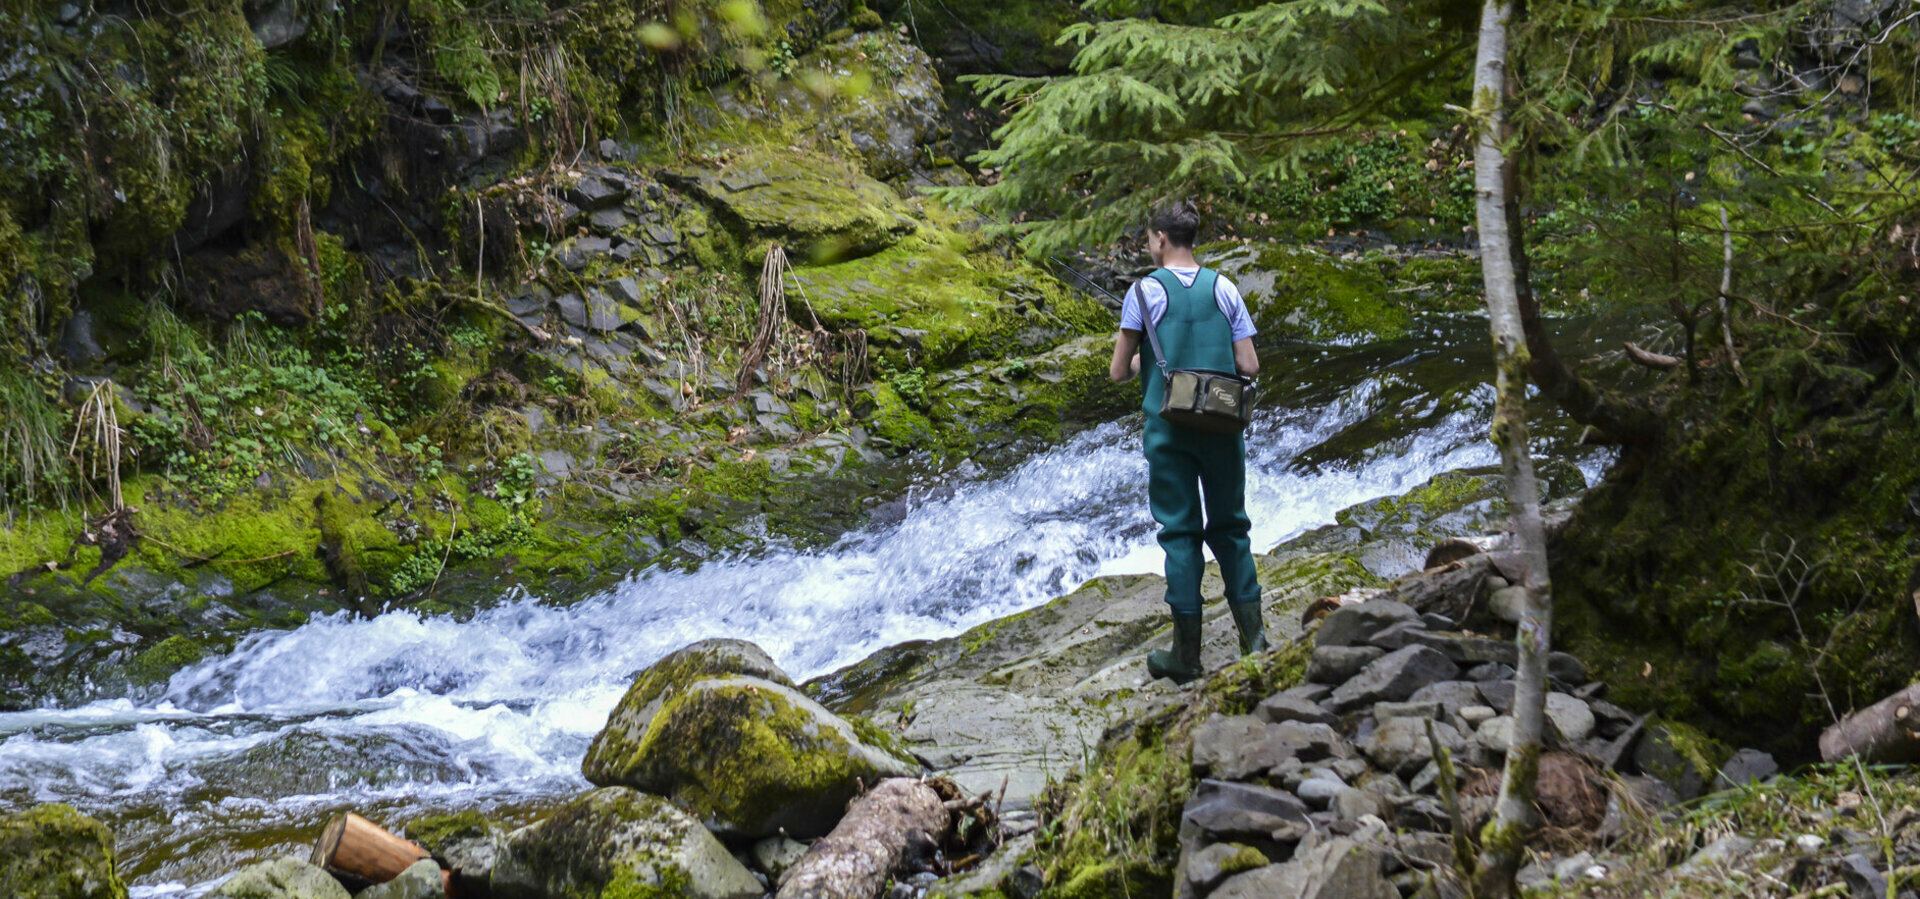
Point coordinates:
[(1146, 323)]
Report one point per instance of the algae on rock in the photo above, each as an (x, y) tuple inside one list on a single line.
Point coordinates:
[(619, 843), (54, 852)]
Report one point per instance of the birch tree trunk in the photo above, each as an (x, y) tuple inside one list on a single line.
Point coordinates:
[(1504, 839)]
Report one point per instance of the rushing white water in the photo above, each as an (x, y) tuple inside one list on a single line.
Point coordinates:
[(407, 712)]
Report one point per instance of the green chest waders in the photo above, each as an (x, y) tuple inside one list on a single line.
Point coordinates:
[(1196, 481)]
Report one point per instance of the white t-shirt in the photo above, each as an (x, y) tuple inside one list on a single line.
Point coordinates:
[(1225, 295)]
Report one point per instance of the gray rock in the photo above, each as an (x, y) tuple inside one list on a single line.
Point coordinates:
[(467, 842), (1746, 766), (1499, 694), (1400, 745), (69, 13), (276, 23), (1640, 795), (619, 835), (1476, 715), (1566, 668), (1657, 755), (1203, 870), (1318, 791), (419, 881), (774, 855), (1495, 734), (1716, 855), (1452, 695), (602, 313), (1309, 692), (1239, 746), (77, 342), (608, 220), (1398, 634), (1338, 664), (1422, 814), (1335, 868), (1569, 717), (1353, 625), (577, 253), (1412, 708), (592, 192), (1465, 650), (281, 878), (1394, 676), (1505, 603), (624, 289), (1282, 707), (572, 309), (1863, 879), (1353, 804), (1226, 811), (1491, 671)]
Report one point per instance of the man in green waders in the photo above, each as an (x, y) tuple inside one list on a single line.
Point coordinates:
[(1196, 481)]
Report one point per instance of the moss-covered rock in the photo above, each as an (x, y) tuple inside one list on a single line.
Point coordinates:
[(617, 843), (282, 878), (54, 852), (627, 726), (817, 205), (751, 758), (1301, 293), (468, 841), (160, 661)]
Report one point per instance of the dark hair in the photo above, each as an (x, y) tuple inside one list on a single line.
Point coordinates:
[(1178, 220)]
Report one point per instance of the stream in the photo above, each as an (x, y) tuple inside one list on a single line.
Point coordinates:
[(246, 754)]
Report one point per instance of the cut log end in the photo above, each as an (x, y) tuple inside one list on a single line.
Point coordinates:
[(1882, 733)]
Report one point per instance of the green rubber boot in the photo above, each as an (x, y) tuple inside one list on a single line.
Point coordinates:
[(1182, 663), (1253, 631)]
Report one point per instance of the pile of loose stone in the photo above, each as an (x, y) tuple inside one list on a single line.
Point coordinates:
[(1331, 788)]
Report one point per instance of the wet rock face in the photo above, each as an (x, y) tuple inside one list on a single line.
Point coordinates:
[(815, 205), (751, 756), (54, 852), (619, 842)]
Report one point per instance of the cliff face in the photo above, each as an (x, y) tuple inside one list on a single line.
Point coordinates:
[(353, 304)]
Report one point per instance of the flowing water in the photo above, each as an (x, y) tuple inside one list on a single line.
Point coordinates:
[(247, 753)]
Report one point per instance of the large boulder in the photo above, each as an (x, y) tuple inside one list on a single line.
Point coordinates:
[(817, 206), (1306, 294), (616, 842), (626, 728), (751, 756), (54, 852), (281, 878)]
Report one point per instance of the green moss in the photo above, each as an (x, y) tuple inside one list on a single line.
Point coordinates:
[(742, 758), (1304, 294), (1114, 828), (160, 661), (896, 422), (54, 851)]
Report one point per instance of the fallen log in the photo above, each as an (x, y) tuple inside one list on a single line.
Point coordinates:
[(1887, 732), (896, 823), (360, 853)]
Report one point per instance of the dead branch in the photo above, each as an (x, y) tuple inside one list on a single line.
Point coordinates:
[(1651, 359)]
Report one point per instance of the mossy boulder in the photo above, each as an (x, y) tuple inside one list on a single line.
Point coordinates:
[(54, 852), (818, 206), (619, 843), (627, 726), (468, 841), (751, 756), (1301, 293), (282, 878), (893, 109)]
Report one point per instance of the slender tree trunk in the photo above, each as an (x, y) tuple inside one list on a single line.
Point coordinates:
[(1504, 839)]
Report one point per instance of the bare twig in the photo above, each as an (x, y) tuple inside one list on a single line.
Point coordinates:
[(1726, 287)]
